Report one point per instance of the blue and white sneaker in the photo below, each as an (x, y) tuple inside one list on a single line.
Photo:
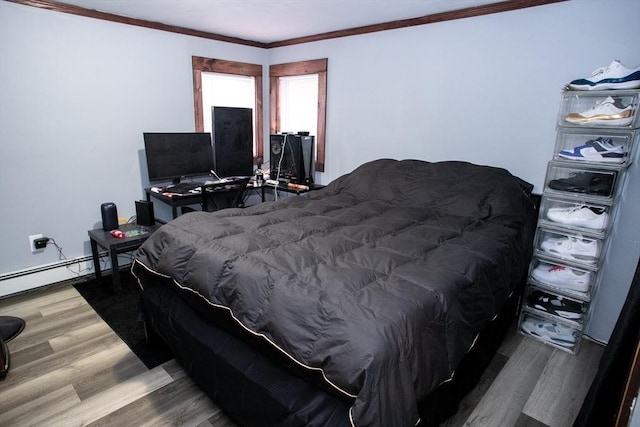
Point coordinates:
[(551, 332), (615, 76), (596, 150)]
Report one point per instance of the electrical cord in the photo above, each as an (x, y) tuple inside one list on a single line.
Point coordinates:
[(216, 175), (275, 186), (82, 271), (62, 257)]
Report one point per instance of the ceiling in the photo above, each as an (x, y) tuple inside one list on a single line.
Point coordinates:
[(268, 21)]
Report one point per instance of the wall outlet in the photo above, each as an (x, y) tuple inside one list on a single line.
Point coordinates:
[(32, 243)]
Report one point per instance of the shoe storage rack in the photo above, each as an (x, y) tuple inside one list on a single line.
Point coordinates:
[(597, 132)]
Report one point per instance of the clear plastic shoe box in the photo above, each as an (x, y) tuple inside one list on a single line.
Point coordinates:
[(562, 278), (556, 333), (579, 249), (597, 135), (610, 109), (580, 216), (571, 180), (597, 147), (560, 307)]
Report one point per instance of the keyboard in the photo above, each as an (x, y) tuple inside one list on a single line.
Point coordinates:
[(183, 187)]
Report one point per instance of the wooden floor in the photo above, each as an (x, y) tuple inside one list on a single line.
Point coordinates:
[(69, 368)]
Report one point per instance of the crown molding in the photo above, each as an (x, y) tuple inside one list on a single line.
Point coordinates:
[(488, 9)]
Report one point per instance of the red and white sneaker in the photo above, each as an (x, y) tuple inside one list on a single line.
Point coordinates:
[(562, 277)]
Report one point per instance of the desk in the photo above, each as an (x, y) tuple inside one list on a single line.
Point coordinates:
[(178, 200), (115, 246), (285, 189), (174, 201)]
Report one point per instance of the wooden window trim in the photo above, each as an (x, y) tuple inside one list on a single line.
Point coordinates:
[(210, 65), (316, 66)]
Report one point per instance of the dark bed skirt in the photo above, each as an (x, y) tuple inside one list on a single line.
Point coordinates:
[(257, 390)]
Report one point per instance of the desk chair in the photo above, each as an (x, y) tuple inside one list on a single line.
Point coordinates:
[(217, 196)]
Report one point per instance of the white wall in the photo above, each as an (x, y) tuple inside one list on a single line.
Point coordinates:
[(485, 90), (77, 93)]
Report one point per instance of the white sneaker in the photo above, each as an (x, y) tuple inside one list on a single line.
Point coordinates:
[(606, 112), (562, 277), (551, 332), (615, 76), (571, 248), (580, 216)]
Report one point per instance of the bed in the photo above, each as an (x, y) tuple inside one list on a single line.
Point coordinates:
[(376, 301)]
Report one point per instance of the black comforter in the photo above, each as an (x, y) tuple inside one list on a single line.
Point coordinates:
[(380, 281)]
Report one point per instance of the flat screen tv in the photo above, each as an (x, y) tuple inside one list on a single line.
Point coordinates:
[(171, 156)]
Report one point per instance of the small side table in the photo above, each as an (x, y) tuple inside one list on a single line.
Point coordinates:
[(115, 246)]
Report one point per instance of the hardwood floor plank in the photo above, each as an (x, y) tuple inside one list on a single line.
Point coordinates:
[(64, 305), (474, 397), (45, 328), (527, 421), (565, 381), (118, 370), (33, 380), (28, 305), (219, 420), (112, 399), (30, 354), (180, 402), (98, 348), (511, 341), (80, 335), (37, 411), (174, 369), (504, 400), (70, 368)]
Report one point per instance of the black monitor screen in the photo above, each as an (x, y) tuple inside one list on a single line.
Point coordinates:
[(233, 140), (171, 156)]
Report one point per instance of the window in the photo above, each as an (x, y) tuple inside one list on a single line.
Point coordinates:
[(298, 100), (298, 109), (229, 84), (226, 90)]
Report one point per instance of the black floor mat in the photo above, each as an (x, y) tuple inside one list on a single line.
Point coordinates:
[(121, 313)]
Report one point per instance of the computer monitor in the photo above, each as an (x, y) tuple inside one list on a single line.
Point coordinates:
[(232, 141), (171, 156)]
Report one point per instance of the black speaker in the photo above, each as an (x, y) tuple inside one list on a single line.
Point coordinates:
[(308, 158), (144, 213), (109, 216), (292, 157)]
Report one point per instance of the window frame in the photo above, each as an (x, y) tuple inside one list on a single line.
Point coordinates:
[(315, 66), (212, 65)]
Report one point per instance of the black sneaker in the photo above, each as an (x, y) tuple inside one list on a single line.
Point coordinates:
[(584, 182), (555, 304)]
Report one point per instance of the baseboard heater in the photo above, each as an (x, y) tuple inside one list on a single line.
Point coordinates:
[(22, 281)]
